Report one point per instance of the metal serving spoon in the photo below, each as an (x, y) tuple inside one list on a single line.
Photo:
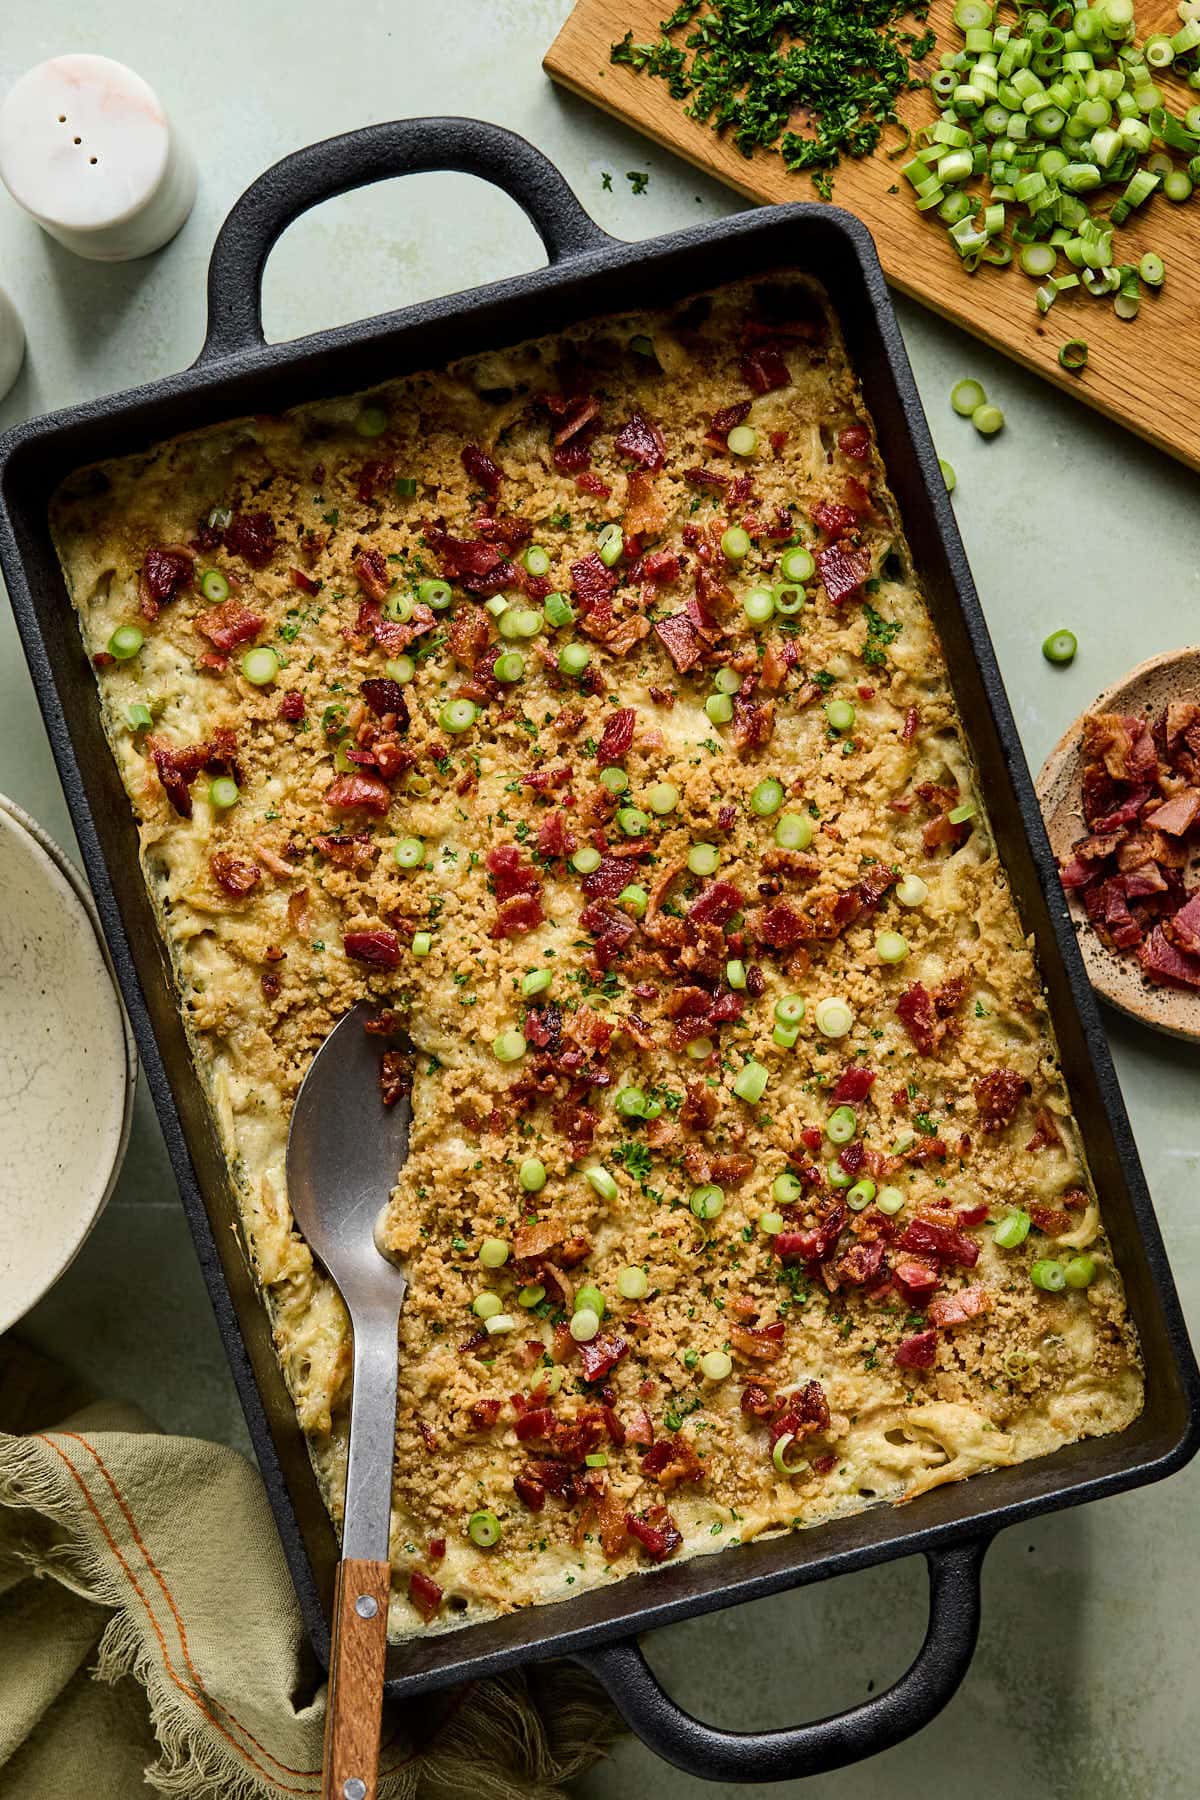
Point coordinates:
[(344, 1152)]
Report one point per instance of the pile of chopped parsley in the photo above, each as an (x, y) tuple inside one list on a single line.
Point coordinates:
[(754, 68)]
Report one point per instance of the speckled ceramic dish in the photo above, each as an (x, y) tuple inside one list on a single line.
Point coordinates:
[(68, 1066)]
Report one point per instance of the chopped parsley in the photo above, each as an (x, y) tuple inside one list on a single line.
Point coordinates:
[(635, 1158), (880, 632), (638, 179)]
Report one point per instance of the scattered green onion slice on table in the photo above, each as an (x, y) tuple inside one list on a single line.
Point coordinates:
[(1060, 647), (987, 420), (520, 622), (510, 667), (125, 642), (532, 1175), (409, 853), (458, 715), (948, 475), (223, 793), (1073, 356), (966, 397)]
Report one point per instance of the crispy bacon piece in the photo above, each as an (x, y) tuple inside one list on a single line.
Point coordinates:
[(291, 706), (758, 1401), (481, 469), (591, 581), (918, 1014), (348, 851), (555, 838), (509, 872), (1046, 1131), (700, 1106), (381, 948), (918, 1352), (661, 567), (517, 916), (763, 368), (763, 1343), (1161, 961), (853, 1085), (425, 1594), (753, 723), (723, 422), (236, 874), (680, 639), (941, 1242), (780, 927), (348, 793), (1053, 1220), (166, 570), (997, 1096), (1184, 928), (383, 696), (251, 536), (716, 905), (956, 1309), (861, 1263), (478, 565), (395, 1079), (601, 1356), (1177, 815), (617, 736), (834, 519), (855, 441), (916, 1280), (530, 1490), (656, 1531), (843, 570), (672, 1460), (229, 625), (177, 768), (641, 442)]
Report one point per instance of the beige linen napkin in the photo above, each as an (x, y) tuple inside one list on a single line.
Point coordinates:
[(150, 1636)]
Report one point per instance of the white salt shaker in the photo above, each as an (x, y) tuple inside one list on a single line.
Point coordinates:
[(87, 149), (12, 343)]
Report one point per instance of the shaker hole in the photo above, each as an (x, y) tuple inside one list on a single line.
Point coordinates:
[(77, 140), (93, 159), (62, 118)]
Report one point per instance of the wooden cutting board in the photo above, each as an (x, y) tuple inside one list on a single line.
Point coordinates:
[(1144, 374)]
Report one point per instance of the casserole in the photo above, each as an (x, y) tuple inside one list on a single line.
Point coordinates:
[(589, 275)]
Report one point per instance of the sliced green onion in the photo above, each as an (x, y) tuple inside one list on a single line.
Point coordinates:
[(633, 821), (958, 815), (125, 642), (1012, 1230), (483, 1529), (890, 947), (1080, 1271), (458, 715), (735, 544), (742, 440), (735, 973), (1152, 270), (600, 1179), (260, 666), (750, 1083), (1051, 1277), (840, 715), (861, 1194), (715, 1365), (889, 1199), (496, 605), (912, 891), (213, 585), (1060, 647), (400, 669), (719, 708), (966, 397), (785, 1036), (532, 1175), (610, 542), (422, 943), (409, 853), (558, 610), (500, 1323), (634, 898), (596, 1459), (642, 346), (948, 475), (223, 793), (405, 486), (537, 981), (586, 859), (584, 1326), (771, 1223), (139, 716), (700, 1049), (758, 605), (789, 598), (509, 667), (372, 422), (399, 608), (790, 1009), (793, 831), (663, 798), (841, 1125), (532, 1295), (573, 659), (509, 1047), (435, 593), (1073, 356), (632, 1282), (519, 622), (834, 1018), (797, 564), (487, 1305), (493, 1253), (987, 420), (707, 1201), (614, 779), (786, 1188), (702, 859), (536, 560), (767, 798), (590, 1299), (727, 681), (630, 1103), (779, 1455)]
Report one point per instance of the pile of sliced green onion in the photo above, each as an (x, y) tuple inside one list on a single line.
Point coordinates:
[(1047, 113)]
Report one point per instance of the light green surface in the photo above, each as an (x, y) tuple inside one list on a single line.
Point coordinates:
[(1085, 1682)]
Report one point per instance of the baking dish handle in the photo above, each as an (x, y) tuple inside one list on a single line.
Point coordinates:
[(783, 1755), (376, 153)]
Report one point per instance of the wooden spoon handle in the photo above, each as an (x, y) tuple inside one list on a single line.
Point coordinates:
[(355, 1700)]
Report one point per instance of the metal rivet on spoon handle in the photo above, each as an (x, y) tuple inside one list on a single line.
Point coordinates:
[(345, 1151)]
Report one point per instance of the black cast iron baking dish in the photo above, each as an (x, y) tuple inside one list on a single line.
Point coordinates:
[(590, 273)]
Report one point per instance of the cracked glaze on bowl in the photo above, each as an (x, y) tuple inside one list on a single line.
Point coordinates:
[(67, 1065)]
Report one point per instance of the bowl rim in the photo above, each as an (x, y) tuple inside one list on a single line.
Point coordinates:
[(28, 826)]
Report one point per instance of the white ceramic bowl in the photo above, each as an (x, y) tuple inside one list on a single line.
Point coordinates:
[(68, 1067)]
